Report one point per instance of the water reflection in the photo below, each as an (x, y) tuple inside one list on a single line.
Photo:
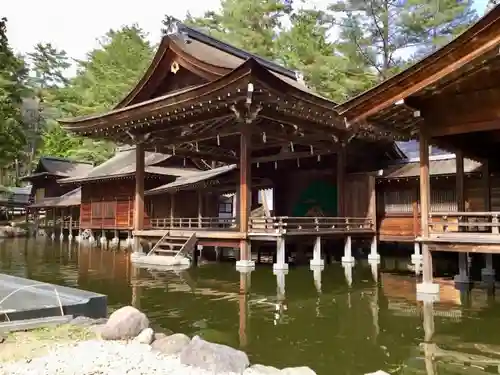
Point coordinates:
[(353, 318)]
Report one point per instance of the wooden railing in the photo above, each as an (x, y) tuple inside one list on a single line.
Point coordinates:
[(207, 223), (468, 222), (305, 225), (57, 224)]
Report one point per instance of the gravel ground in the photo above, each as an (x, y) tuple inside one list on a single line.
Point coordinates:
[(96, 357)]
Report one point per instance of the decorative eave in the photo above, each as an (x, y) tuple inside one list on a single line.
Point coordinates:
[(211, 101), (386, 103), (117, 177)]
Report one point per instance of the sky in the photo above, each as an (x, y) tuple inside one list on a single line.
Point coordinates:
[(75, 26)]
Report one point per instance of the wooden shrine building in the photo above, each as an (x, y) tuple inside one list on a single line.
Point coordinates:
[(449, 99), (208, 101)]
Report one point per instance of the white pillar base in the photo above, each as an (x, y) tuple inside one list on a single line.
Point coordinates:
[(53, 236), (374, 257), (280, 267), (280, 272), (70, 237), (102, 240), (489, 272), (61, 237), (245, 265), (316, 267), (417, 258), (317, 263), (348, 259), (461, 279), (427, 288)]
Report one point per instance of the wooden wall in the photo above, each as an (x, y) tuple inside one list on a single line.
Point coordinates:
[(50, 186), (397, 203), (185, 205)]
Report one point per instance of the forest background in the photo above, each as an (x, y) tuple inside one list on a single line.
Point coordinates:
[(341, 51)]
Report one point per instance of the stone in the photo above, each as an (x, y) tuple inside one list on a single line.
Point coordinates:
[(303, 370), (125, 323), (159, 336), (170, 345), (145, 337), (261, 370), (215, 358), (379, 372)]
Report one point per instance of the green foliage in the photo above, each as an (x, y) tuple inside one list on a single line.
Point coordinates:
[(102, 80), (12, 88), (385, 36)]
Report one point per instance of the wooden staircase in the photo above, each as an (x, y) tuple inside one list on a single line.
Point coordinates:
[(175, 246)]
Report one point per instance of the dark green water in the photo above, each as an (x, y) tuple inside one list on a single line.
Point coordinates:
[(341, 329)]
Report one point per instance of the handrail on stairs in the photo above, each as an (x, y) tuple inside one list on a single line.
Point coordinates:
[(158, 243), (190, 242)]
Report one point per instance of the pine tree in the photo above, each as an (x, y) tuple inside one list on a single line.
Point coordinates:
[(386, 35)]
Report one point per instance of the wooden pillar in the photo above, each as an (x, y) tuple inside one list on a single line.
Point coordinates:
[(424, 207), (459, 157), (341, 156), (172, 209), (486, 186), (200, 208), (245, 188), (139, 192), (70, 235)]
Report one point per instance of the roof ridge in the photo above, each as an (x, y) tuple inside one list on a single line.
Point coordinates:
[(66, 160)]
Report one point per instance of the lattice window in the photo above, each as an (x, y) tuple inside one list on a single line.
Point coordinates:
[(109, 210), (443, 200), (400, 202)]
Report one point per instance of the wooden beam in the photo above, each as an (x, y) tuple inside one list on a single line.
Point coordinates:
[(289, 156), (469, 127), (433, 78), (139, 191)]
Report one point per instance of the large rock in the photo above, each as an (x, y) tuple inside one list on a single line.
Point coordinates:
[(297, 371), (125, 323), (261, 370), (145, 337), (215, 358), (171, 345)]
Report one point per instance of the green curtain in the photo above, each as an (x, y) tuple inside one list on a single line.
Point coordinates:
[(318, 199)]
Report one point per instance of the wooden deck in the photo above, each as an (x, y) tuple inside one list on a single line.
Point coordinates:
[(472, 232)]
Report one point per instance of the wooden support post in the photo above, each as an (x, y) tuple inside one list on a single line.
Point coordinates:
[(486, 185), (459, 157), (245, 189), (200, 208), (61, 235), (70, 233), (172, 209), (341, 156), (426, 287), (139, 193)]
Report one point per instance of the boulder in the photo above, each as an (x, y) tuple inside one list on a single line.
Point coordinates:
[(171, 345), (379, 372), (145, 337), (261, 370), (125, 323), (159, 336), (297, 371), (215, 358)]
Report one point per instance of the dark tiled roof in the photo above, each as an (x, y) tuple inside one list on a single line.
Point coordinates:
[(60, 167), (123, 164), (193, 180), (72, 198), (437, 166)]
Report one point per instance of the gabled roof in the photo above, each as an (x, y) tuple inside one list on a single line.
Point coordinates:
[(71, 198), (441, 165), (193, 180), (59, 167), (123, 165), (201, 54)]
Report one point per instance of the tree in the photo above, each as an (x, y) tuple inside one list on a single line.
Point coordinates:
[(386, 35), (12, 88), (102, 80), (48, 66), (252, 25), (306, 48)]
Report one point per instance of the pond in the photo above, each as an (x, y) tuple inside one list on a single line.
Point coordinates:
[(341, 320)]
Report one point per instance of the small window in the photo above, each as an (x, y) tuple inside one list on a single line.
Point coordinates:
[(109, 210), (96, 209), (225, 208)]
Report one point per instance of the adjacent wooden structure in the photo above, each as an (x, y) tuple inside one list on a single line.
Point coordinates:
[(449, 99)]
